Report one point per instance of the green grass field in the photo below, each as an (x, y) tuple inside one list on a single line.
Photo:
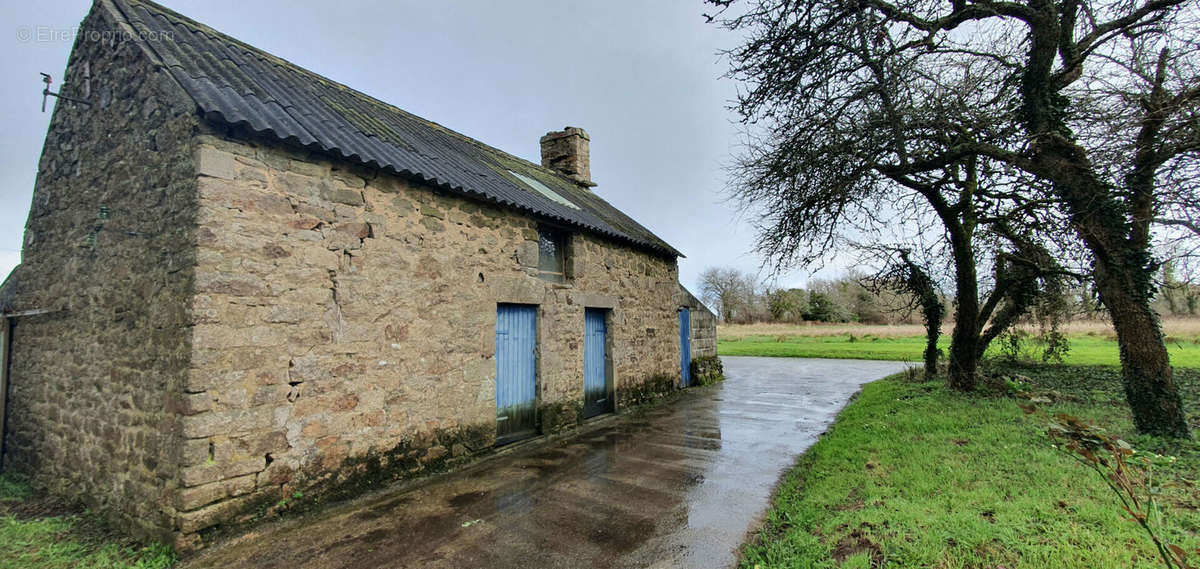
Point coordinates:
[(1085, 349), (912, 475)]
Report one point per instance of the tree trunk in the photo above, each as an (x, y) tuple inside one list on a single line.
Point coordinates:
[(1145, 367), (963, 362), (1017, 286), (1119, 244), (932, 331), (920, 284), (1124, 280)]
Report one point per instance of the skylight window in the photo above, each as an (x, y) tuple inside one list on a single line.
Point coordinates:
[(545, 191)]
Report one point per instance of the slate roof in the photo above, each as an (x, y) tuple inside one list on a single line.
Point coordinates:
[(237, 84)]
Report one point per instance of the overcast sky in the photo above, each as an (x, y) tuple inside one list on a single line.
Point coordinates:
[(641, 77)]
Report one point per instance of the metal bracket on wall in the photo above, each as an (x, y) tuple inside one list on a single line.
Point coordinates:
[(46, 94)]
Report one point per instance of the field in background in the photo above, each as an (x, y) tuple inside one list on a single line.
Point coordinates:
[(1181, 327), (1091, 342)]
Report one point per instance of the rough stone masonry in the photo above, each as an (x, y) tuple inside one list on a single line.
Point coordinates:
[(222, 322)]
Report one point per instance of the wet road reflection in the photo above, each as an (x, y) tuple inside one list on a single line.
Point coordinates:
[(678, 485)]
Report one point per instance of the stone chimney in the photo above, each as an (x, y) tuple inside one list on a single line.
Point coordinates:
[(567, 152)]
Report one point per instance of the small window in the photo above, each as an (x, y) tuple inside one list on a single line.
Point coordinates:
[(552, 255)]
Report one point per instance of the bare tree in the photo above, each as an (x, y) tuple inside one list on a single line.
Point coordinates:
[(835, 173), (729, 291), (1093, 100)]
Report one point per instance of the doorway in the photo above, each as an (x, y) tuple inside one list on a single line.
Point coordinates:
[(597, 376), (685, 347), (516, 372)]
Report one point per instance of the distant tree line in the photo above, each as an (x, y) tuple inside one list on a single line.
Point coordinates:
[(740, 298)]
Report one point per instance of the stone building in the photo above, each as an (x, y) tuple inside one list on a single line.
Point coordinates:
[(242, 282)]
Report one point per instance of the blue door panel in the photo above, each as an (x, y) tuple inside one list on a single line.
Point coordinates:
[(685, 347), (516, 372), (597, 390)]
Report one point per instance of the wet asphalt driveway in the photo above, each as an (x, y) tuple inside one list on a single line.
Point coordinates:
[(678, 485)]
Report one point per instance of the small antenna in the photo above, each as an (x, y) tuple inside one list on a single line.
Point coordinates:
[(46, 93)]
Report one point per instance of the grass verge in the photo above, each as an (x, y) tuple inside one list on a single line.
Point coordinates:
[(913, 475), (39, 532)]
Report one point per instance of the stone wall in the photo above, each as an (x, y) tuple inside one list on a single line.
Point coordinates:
[(108, 247), (704, 325), (345, 327)]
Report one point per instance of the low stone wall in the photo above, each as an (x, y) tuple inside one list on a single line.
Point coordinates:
[(707, 370), (704, 333), (704, 325)]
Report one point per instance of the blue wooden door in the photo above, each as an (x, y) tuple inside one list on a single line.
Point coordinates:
[(516, 372), (597, 389), (685, 347)]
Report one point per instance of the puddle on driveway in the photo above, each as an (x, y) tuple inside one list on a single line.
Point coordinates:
[(676, 486)]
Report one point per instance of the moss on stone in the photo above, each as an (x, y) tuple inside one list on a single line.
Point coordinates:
[(342, 196), (560, 416), (357, 475), (432, 211), (432, 225), (649, 389), (707, 370), (415, 456), (402, 207)]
